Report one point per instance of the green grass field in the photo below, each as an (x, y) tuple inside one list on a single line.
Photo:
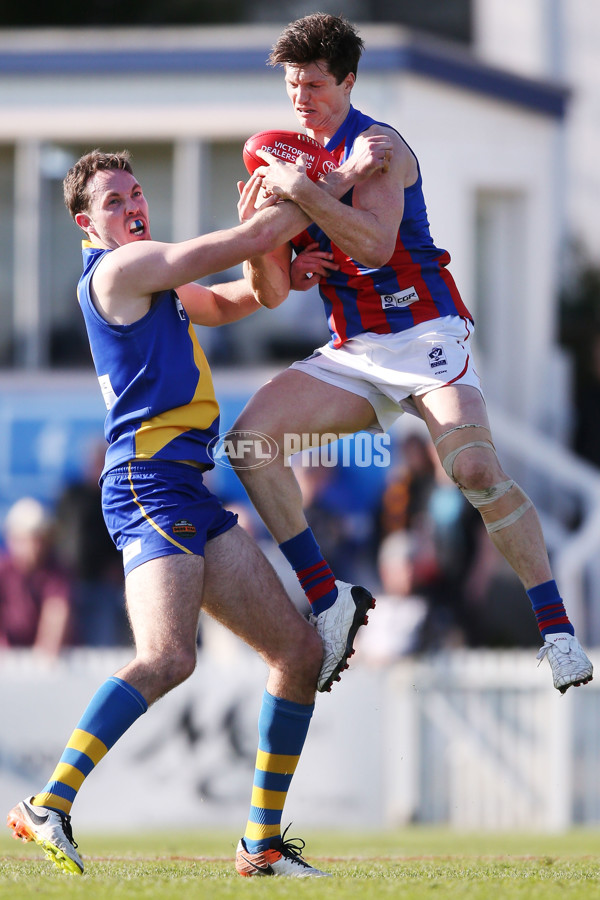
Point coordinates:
[(412, 864)]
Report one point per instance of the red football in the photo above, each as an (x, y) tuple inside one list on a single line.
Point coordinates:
[(287, 146)]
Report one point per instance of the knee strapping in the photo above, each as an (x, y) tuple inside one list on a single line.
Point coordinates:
[(457, 446), (486, 500)]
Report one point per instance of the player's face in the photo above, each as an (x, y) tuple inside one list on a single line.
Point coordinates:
[(118, 211), (320, 104)]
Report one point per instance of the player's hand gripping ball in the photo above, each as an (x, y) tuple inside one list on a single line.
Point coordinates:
[(287, 146)]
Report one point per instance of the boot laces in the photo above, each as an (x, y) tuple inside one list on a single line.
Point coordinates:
[(68, 830), (292, 848)]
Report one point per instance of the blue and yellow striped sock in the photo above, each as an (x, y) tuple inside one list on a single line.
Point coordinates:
[(113, 708), (282, 729)]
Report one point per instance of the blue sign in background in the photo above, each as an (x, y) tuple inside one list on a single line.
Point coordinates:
[(50, 425)]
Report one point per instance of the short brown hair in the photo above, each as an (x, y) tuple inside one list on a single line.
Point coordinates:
[(319, 37), (76, 180)]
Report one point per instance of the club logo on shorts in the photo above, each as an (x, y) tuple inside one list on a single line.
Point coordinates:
[(184, 529), (437, 357)]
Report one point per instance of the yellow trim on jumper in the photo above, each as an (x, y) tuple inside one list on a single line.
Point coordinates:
[(158, 432)]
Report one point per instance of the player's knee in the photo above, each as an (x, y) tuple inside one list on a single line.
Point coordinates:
[(303, 655), (249, 447), (310, 653), (468, 456), (314, 647), (476, 469), (173, 668)]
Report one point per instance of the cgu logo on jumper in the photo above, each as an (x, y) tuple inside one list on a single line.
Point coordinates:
[(243, 450), (400, 299)]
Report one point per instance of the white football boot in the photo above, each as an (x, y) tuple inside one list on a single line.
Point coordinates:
[(337, 627), (569, 664), (48, 828), (283, 858)]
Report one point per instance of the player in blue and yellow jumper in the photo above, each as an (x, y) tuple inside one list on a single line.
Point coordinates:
[(181, 549)]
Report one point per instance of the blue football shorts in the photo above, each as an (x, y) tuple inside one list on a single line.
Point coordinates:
[(158, 508)]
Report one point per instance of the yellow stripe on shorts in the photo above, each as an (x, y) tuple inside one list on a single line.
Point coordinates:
[(151, 521)]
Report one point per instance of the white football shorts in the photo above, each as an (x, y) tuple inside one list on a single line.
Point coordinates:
[(388, 369)]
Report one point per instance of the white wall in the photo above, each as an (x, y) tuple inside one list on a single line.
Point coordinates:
[(514, 34), (556, 39), (582, 72)]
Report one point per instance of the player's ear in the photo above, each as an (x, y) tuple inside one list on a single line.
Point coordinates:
[(84, 222)]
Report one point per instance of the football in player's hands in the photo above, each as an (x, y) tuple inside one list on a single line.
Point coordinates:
[(287, 146)]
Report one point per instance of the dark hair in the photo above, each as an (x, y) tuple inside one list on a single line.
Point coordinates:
[(76, 180), (319, 37)]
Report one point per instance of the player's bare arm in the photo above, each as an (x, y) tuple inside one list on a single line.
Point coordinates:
[(367, 230), (221, 304), (218, 304), (127, 279), (266, 275), (271, 275)]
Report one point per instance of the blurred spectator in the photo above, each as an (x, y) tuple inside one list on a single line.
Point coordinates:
[(455, 566), (340, 526), (396, 625), (85, 548), (461, 546), (35, 592), (420, 498), (406, 494), (475, 584)]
